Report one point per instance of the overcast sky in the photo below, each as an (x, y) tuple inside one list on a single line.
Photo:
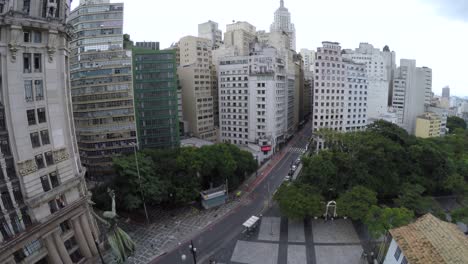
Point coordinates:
[(434, 32)]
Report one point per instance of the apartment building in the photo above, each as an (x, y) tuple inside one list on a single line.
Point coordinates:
[(239, 36), (44, 216), (410, 93), (209, 30), (340, 91), (102, 92), (199, 87), (253, 99)]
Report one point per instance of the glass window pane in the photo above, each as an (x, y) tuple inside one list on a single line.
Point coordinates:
[(45, 183), (28, 91), (49, 158), (35, 140), (31, 117), (39, 90), (41, 115), (40, 162), (45, 137)]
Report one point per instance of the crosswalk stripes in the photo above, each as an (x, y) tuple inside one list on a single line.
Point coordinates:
[(297, 150)]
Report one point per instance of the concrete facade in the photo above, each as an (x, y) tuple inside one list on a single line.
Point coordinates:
[(428, 125), (253, 94), (102, 86), (44, 215), (239, 36), (209, 30), (340, 91), (199, 87), (377, 67), (410, 93), (282, 23)]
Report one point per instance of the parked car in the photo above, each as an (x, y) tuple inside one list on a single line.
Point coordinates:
[(298, 161), (294, 167), (287, 178)]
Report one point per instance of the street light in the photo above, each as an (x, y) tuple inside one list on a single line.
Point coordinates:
[(193, 250), (139, 181)]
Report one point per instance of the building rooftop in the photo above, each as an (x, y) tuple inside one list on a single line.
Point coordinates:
[(430, 240), (195, 142)]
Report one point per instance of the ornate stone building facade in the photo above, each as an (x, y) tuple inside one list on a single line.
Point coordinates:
[(44, 214)]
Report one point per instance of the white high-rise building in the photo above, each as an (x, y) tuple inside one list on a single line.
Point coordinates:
[(377, 67), (252, 99), (411, 92), (340, 91), (282, 23), (309, 59), (209, 30)]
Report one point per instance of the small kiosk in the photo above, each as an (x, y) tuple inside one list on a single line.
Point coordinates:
[(213, 197)]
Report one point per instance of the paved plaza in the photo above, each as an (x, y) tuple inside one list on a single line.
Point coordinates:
[(279, 240)]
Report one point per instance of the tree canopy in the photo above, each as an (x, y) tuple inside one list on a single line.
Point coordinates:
[(356, 202), (454, 123), (298, 201), (176, 176)]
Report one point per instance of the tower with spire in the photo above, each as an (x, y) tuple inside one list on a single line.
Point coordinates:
[(282, 23)]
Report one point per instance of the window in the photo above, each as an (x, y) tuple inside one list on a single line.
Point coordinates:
[(37, 37), (45, 137), (37, 62), (49, 157), (27, 36), (31, 117), (53, 206), (65, 226), (27, 62), (397, 253), (26, 6), (41, 115), (45, 183), (39, 90), (28, 91), (40, 161), (404, 261), (54, 179), (35, 140)]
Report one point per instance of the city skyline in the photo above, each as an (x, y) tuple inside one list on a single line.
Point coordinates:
[(415, 29)]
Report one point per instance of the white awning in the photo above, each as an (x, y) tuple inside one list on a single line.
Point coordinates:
[(250, 222)]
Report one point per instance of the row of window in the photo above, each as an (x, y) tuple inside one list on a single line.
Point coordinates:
[(50, 181), (32, 62), (39, 138), (33, 90)]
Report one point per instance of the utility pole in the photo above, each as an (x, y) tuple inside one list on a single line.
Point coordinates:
[(193, 250), (139, 181)]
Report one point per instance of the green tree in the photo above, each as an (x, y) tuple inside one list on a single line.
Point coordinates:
[(411, 197), (298, 201), (356, 202), (153, 188), (460, 215), (454, 123), (380, 220)]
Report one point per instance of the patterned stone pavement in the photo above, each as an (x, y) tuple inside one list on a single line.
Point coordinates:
[(169, 228)]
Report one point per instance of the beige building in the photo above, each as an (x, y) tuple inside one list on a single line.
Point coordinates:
[(428, 125), (199, 87), (239, 36), (44, 216)]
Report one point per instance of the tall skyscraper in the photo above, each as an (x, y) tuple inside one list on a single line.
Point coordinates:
[(101, 75), (44, 216), (282, 23), (379, 79), (410, 93), (340, 91), (196, 80), (253, 94), (156, 106), (209, 30)]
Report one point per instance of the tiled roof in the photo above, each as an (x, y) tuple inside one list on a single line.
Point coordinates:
[(430, 240)]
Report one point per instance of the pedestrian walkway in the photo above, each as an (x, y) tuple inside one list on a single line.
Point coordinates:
[(297, 150), (281, 240)]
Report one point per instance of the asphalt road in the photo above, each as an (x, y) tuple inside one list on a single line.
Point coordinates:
[(212, 242)]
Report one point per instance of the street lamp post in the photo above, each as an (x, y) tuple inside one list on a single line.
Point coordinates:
[(193, 250), (139, 182)]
